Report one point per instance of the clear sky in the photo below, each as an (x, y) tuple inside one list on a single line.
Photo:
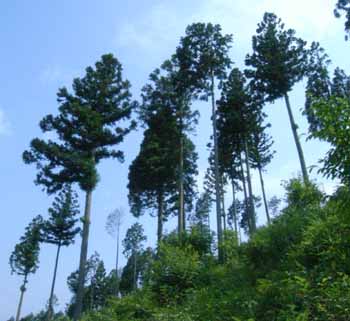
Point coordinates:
[(44, 44)]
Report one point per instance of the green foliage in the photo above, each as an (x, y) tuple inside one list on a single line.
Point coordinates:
[(99, 286), (343, 6), (203, 55), (134, 239), (144, 260), (60, 228), (24, 259), (297, 268), (174, 273), (279, 58), (87, 128), (333, 117)]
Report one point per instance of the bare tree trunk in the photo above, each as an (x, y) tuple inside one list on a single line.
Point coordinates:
[(160, 217), (296, 140), (217, 175), (83, 256), (50, 308), (223, 206), (264, 196), (117, 258), (249, 180), (181, 217), (135, 271), (234, 209), (23, 289), (245, 191)]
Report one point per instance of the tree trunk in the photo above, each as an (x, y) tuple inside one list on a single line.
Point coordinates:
[(181, 217), (249, 180), (245, 191), (264, 196), (135, 270), (23, 289), (160, 217), (117, 260), (50, 308), (217, 175), (234, 209), (83, 256), (297, 141), (223, 206)]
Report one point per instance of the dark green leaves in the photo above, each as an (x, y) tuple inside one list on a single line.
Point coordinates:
[(25, 257), (61, 228), (278, 60), (343, 5), (203, 54), (134, 239), (87, 127)]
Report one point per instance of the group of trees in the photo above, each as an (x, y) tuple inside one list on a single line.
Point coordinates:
[(96, 116)]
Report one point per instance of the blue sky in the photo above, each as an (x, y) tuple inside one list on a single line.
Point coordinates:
[(44, 44)]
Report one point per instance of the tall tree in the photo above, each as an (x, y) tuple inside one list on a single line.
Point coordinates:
[(202, 210), (153, 174), (60, 229), (133, 245), (318, 82), (113, 224), (279, 60), (186, 120), (238, 112), (91, 121), (260, 156), (169, 88), (203, 57), (24, 259)]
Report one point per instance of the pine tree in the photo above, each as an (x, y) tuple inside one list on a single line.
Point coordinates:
[(238, 111), (169, 88), (24, 259), (203, 59), (261, 155), (318, 83), (91, 121), (202, 210), (279, 60), (133, 246), (60, 229), (153, 175), (186, 120)]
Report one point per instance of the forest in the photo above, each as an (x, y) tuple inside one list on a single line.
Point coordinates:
[(294, 267)]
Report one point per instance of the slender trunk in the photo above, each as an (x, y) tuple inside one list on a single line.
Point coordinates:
[(83, 256), (250, 189), (223, 207), (23, 289), (160, 217), (181, 217), (234, 209), (264, 195), (217, 175), (117, 261), (92, 288), (135, 270), (50, 308), (297, 141), (245, 191)]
